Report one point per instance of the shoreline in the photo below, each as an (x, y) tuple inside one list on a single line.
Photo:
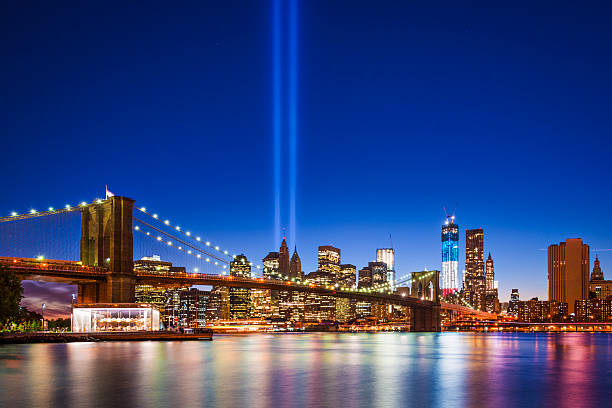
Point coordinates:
[(32, 338)]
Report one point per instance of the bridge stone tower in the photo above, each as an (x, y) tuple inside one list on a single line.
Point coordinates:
[(426, 286), (107, 240)]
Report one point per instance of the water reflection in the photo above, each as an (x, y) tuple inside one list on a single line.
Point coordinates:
[(344, 370)]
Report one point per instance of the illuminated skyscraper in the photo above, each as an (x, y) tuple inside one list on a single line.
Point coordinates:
[(240, 298), (598, 285), (568, 272), (365, 277), (450, 257), (474, 289), (597, 273), (514, 301), (270, 266), (387, 255), (268, 300), (329, 261), (379, 273), (490, 276), (348, 276)]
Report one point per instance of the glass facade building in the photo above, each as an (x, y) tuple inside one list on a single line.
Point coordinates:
[(116, 317), (387, 255), (450, 257)]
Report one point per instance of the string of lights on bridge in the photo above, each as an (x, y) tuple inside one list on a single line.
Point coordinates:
[(196, 252), (279, 276), (32, 213)]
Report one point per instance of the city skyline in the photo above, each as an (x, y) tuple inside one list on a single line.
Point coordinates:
[(306, 203), (427, 130)]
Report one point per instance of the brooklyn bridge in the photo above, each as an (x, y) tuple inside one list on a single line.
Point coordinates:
[(105, 272)]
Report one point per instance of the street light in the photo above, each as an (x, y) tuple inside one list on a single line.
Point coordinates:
[(43, 317)]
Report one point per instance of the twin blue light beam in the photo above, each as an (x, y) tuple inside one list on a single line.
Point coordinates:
[(285, 84)]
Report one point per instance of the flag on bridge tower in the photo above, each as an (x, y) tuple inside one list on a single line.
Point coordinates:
[(108, 193)]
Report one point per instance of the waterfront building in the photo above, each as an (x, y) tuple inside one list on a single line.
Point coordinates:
[(387, 255), (271, 271), (594, 310), (568, 272), (186, 308), (450, 257), (121, 317), (348, 275), (261, 304), (598, 286), (474, 288), (150, 294), (317, 307), (218, 304), (240, 298), (292, 306), (345, 310), (542, 311), (363, 309), (513, 303)]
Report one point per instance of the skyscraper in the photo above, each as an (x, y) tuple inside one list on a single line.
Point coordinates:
[(598, 285), (597, 273), (489, 276), (379, 273), (240, 298), (387, 255), (365, 277), (450, 256), (329, 261), (283, 260), (474, 290), (271, 266), (268, 300), (568, 272), (295, 266), (514, 302), (348, 276), (491, 296)]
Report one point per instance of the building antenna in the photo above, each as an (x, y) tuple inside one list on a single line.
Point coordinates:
[(391, 240)]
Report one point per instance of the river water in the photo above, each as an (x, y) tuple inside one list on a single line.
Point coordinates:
[(315, 370)]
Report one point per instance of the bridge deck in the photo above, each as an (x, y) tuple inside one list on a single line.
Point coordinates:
[(38, 269)]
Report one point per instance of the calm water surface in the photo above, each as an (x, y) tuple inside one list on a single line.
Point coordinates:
[(321, 369)]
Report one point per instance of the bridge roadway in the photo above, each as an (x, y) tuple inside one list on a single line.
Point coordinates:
[(464, 310), (75, 273)]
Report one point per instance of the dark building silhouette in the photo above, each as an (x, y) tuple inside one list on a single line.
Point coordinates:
[(295, 266), (283, 260)]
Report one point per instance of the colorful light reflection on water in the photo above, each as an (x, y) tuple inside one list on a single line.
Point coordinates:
[(319, 369)]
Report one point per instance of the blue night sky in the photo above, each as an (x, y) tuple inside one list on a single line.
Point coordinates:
[(504, 112)]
